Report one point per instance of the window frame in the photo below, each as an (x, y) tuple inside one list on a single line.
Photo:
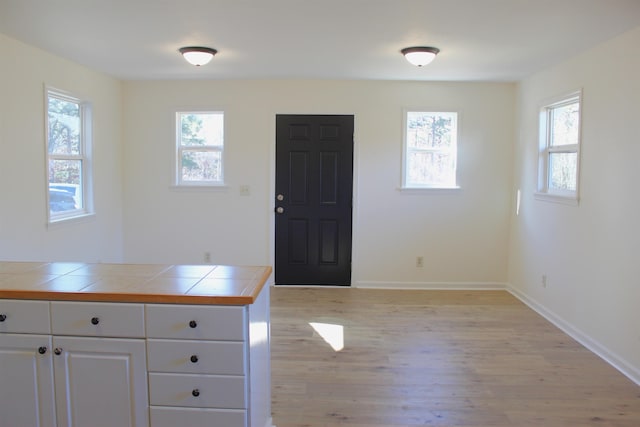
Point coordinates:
[(546, 149), (84, 157), (179, 149), (406, 151)]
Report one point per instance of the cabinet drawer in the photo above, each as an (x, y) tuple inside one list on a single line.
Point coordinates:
[(197, 322), (24, 317), (162, 416), (196, 357), (198, 391), (97, 319)]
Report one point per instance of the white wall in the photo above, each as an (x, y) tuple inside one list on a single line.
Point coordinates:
[(590, 252), (24, 234), (463, 236)]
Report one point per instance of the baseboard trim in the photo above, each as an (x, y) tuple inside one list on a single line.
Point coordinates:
[(591, 344), (435, 286)]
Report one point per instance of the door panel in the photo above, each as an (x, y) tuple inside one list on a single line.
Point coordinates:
[(26, 381), (314, 189), (100, 382)]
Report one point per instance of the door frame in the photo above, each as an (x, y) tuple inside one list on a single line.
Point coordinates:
[(272, 190)]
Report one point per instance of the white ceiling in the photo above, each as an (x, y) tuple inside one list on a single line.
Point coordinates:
[(495, 40)]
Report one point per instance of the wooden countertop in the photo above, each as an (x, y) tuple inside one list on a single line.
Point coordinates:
[(141, 283)]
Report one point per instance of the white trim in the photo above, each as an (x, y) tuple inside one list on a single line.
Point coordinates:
[(626, 368), (178, 149), (200, 187), (555, 198), (430, 190), (76, 219), (85, 157), (544, 193), (456, 131), (458, 286)]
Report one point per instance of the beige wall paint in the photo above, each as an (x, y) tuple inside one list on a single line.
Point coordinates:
[(588, 252), (461, 235), (24, 234)]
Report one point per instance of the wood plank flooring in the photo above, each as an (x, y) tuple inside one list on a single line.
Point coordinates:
[(435, 358)]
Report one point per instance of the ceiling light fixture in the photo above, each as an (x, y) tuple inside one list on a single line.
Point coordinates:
[(420, 55), (197, 55)]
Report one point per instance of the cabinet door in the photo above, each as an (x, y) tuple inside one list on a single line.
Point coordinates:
[(26, 381), (100, 382)]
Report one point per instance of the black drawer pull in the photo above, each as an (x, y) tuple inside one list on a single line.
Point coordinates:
[(194, 359), (195, 392), (3, 317), (193, 324), (95, 320), (42, 350), (57, 351)]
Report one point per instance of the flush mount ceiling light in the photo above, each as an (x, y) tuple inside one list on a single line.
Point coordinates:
[(420, 55), (197, 55)]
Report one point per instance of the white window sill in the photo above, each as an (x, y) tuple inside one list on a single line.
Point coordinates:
[(430, 190), (556, 198), (69, 220), (200, 187)]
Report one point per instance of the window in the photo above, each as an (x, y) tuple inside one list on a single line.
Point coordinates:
[(430, 153), (560, 148), (199, 148), (68, 146)]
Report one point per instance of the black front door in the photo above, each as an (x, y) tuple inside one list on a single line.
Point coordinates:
[(314, 189)]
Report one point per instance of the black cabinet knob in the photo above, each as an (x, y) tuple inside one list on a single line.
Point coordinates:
[(195, 392), (42, 350), (193, 324), (194, 359), (57, 351), (3, 317), (95, 320)]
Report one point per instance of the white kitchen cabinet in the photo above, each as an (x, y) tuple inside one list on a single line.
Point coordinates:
[(100, 377), (100, 382), (147, 357), (198, 359), (26, 381), (63, 380), (26, 370), (209, 365)]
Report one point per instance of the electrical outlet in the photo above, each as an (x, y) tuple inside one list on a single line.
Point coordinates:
[(207, 257), (419, 262), (544, 280)]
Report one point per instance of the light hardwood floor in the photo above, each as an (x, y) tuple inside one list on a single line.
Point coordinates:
[(435, 358)]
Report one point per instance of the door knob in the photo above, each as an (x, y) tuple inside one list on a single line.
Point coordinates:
[(279, 209), (57, 351)]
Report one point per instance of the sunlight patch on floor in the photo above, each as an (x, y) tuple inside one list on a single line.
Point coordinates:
[(331, 333)]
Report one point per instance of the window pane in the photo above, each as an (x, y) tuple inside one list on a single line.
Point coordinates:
[(429, 130), (201, 129), (431, 168), (565, 123), (65, 189), (563, 171), (64, 127), (201, 166)]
